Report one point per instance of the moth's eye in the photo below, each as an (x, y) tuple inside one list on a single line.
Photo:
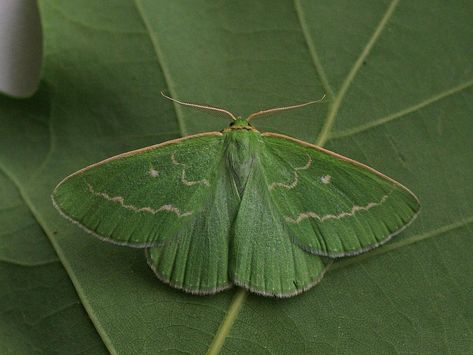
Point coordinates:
[(232, 124)]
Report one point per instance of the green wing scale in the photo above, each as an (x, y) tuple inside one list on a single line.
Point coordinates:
[(262, 211)]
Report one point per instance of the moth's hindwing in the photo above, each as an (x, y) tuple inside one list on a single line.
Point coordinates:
[(196, 259), (264, 258)]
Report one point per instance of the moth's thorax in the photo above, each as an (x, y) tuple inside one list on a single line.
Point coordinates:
[(241, 150)]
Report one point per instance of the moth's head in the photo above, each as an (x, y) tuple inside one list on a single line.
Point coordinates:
[(240, 123)]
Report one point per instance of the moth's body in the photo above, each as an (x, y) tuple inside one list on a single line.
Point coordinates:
[(243, 144), (237, 207)]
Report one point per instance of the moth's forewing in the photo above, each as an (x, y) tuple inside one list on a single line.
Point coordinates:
[(142, 198), (332, 205)]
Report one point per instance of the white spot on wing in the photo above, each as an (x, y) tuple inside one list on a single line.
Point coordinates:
[(153, 172), (295, 180), (326, 179)]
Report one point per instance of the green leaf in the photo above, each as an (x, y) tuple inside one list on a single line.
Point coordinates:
[(39, 308), (398, 78)]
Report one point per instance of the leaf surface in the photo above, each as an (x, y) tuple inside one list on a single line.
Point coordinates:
[(398, 78), (39, 308)]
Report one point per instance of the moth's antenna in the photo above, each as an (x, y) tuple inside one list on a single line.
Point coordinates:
[(278, 109), (203, 107)]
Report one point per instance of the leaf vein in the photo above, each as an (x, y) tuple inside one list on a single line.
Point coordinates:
[(405, 242), (313, 51), (336, 103), (161, 63), (23, 264), (90, 26), (80, 292), (397, 115)]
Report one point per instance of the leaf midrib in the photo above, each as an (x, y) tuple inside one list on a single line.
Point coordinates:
[(237, 303)]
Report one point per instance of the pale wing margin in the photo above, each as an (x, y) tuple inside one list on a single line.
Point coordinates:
[(94, 197), (390, 209)]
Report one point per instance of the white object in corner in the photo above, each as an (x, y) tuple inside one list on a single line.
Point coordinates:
[(20, 47)]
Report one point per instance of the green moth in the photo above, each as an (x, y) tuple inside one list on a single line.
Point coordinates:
[(263, 211)]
